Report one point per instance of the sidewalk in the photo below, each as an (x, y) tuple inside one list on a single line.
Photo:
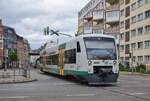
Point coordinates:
[(134, 73), (11, 76)]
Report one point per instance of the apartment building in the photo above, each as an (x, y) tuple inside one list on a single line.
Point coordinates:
[(99, 17), (10, 41), (1, 43), (135, 32)]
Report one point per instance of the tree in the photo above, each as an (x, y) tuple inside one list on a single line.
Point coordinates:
[(13, 57)]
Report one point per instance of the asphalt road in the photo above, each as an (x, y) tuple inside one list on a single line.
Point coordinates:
[(51, 88)]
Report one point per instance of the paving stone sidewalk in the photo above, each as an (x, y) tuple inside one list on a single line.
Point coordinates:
[(14, 76), (134, 73)]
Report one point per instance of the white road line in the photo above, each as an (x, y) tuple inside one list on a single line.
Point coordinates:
[(14, 97), (80, 95), (137, 93)]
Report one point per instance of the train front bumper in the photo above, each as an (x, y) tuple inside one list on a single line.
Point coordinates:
[(107, 79)]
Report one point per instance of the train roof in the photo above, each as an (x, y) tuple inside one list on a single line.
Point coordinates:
[(95, 35), (78, 37)]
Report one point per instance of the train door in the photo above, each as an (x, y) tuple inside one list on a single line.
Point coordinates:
[(61, 62)]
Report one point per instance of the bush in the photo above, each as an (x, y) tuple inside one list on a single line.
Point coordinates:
[(140, 68), (123, 68)]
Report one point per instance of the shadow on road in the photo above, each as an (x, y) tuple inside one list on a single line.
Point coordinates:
[(76, 81)]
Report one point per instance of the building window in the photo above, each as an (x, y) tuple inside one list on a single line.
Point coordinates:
[(147, 14), (133, 19), (140, 31), (141, 2), (133, 6), (122, 48), (127, 49), (127, 24), (121, 36), (147, 29), (140, 45), (147, 1), (147, 44), (147, 59), (133, 33), (128, 11), (140, 17), (127, 1), (122, 13), (97, 31), (134, 58), (140, 58), (133, 46), (127, 36), (112, 14), (122, 24)]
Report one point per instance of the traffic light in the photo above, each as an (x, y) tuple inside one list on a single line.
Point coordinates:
[(46, 30)]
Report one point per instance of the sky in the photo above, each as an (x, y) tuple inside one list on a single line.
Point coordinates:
[(29, 17)]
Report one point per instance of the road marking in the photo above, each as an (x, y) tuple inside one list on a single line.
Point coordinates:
[(137, 93), (80, 95), (14, 97)]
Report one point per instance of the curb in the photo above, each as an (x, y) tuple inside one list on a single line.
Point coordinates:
[(21, 81), (130, 73)]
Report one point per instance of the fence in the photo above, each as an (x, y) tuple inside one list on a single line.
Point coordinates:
[(14, 74)]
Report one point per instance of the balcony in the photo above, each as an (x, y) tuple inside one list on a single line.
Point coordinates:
[(98, 31), (113, 29), (98, 26), (112, 17), (99, 6), (88, 29), (98, 15), (88, 16), (112, 7)]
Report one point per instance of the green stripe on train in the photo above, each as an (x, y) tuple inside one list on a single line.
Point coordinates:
[(67, 72), (62, 46), (79, 73)]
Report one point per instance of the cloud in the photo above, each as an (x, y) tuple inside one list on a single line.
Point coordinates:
[(29, 17)]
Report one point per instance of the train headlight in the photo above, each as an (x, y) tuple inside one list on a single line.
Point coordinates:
[(115, 62), (90, 62)]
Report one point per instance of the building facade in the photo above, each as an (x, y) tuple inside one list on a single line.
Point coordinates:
[(20, 51), (135, 32), (26, 53), (10, 43), (1, 44), (98, 17)]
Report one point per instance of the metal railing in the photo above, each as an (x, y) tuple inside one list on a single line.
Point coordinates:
[(15, 74)]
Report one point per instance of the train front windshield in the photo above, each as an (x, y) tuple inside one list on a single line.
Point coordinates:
[(100, 48)]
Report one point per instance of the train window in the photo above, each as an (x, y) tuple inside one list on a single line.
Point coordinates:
[(78, 47), (70, 56), (52, 60)]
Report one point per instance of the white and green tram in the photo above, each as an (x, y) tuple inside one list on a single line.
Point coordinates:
[(92, 58)]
